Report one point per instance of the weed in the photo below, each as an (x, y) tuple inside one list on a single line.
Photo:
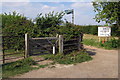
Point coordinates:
[(18, 67), (74, 57)]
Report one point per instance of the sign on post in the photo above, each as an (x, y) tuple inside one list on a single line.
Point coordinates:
[(104, 32)]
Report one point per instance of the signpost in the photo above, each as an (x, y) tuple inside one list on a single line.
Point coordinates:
[(104, 32), (70, 12)]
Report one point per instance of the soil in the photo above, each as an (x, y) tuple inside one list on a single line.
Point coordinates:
[(103, 65)]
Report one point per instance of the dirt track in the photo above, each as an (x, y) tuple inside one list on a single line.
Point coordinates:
[(103, 65)]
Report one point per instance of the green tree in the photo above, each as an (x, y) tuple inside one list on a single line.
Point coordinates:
[(14, 24), (48, 23), (107, 11)]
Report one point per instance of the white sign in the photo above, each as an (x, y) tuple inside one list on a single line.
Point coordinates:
[(104, 31)]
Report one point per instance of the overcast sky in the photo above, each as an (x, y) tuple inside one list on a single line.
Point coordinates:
[(84, 13)]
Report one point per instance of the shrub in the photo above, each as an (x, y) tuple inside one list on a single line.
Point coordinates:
[(69, 31), (113, 43), (14, 24)]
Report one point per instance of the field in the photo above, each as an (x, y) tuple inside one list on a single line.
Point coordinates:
[(93, 40), (95, 37)]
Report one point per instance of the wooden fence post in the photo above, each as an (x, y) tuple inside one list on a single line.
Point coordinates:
[(60, 43), (80, 45), (3, 49), (79, 42), (26, 45)]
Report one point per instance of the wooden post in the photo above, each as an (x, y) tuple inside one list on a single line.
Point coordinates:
[(60, 44), (73, 16), (3, 56), (3, 50), (79, 42), (99, 39), (26, 45)]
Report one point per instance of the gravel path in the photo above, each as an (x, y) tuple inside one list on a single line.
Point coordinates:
[(103, 65)]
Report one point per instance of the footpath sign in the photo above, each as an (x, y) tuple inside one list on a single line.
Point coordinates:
[(104, 32)]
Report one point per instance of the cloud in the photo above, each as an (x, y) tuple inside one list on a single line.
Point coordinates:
[(81, 5), (15, 4), (15, 0), (60, 0), (83, 11)]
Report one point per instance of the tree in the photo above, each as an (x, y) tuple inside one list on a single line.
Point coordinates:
[(108, 12), (14, 24), (48, 23)]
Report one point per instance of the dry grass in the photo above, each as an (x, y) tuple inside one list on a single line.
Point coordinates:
[(95, 37)]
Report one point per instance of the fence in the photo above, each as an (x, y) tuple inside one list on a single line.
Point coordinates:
[(75, 43), (19, 47), (12, 47)]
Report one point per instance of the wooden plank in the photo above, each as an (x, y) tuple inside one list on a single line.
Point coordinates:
[(45, 38), (70, 44), (13, 54), (71, 40), (65, 50), (14, 58)]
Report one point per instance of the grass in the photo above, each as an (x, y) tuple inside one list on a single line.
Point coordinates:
[(95, 37), (14, 53), (92, 40), (20, 67), (73, 58), (17, 67)]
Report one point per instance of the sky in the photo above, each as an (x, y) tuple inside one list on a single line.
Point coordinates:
[(83, 9)]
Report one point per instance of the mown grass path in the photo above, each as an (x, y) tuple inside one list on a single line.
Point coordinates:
[(103, 65)]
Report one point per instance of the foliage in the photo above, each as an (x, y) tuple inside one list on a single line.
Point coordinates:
[(48, 23), (89, 29), (107, 11), (93, 29), (113, 43), (14, 24), (74, 57), (115, 30), (69, 31), (18, 67)]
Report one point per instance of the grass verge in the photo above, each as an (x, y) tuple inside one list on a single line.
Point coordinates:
[(73, 58), (111, 44), (18, 67)]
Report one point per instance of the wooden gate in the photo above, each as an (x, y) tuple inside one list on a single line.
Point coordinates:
[(42, 45)]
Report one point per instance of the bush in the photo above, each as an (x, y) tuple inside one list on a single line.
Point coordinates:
[(69, 31), (14, 24), (113, 43)]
